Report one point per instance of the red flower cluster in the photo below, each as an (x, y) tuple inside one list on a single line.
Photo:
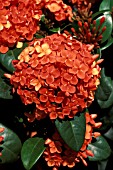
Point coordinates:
[(60, 10), (57, 73), (59, 154), (18, 21)]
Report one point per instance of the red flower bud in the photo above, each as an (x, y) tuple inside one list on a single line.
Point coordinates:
[(94, 22), (103, 29), (102, 20), (86, 24), (79, 23)]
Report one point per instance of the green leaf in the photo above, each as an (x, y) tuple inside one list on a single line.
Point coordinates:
[(106, 119), (108, 23), (11, 146), (55, 29), (109, 134), (100, 148), (106, 5), (98, 51), (38, 36), (43, 18), (6, 59), (96, 14), (32, 150), (108, 43), (102, 164), (110, 115), (5, 90), (104, 93), (73, 131)]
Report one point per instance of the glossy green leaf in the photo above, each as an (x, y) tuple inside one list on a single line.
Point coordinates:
[(109, 134), (98, 13), (107, 43), (108, 23), (72, 131), (55, 29), (102, 164), (38, 36), (100, 148), (106, 119), (110, 115), (2, 72), (106, 5), (98, 51), (43, 18), (6, 59), (5, 89), (31, 151), (11, 146), (104, 93)]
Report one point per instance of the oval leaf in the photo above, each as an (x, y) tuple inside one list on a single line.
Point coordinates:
[(73, 131), (102, 164), (108, 23), (97, 14), (109, 42), (5, 90), (6, 59), (104, 93), (100, 148), (11, 146), (55, 29), (109, 134), (106, 5), (31, 151)]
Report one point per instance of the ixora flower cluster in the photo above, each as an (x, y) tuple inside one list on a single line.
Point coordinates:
[(59, 154), (57, 73), (19, 19)]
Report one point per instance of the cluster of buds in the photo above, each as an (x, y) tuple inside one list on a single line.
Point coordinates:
[(88, 32), (57, 73), (1, 138), (82, 4), (59, 154)]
